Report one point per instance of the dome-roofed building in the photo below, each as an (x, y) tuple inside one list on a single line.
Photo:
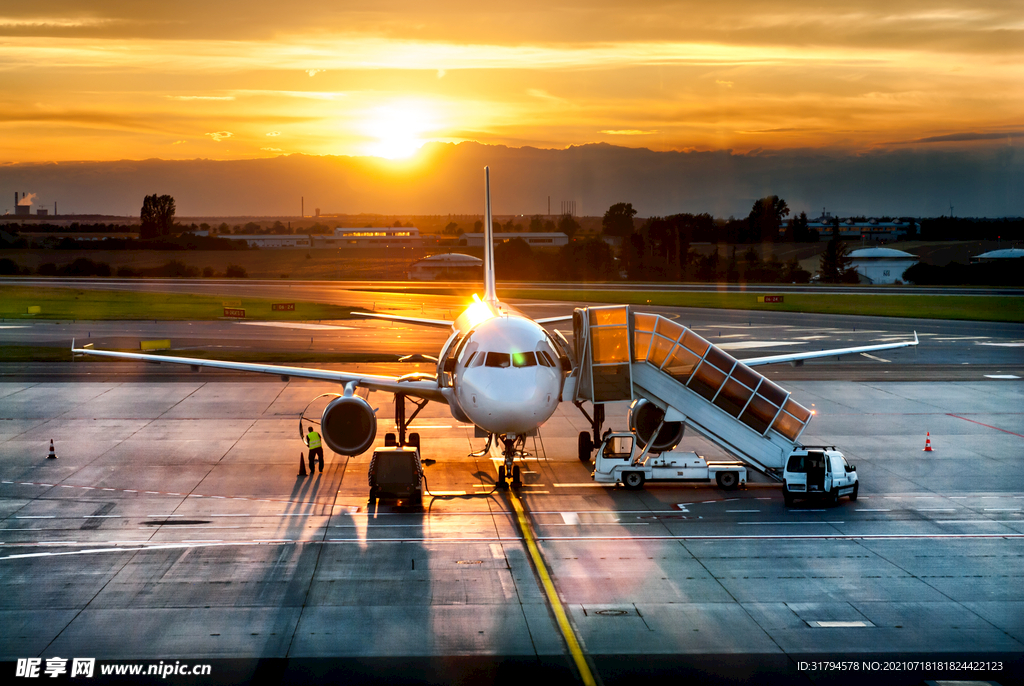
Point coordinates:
[(447, 266), (881, 265), (1003, 254)]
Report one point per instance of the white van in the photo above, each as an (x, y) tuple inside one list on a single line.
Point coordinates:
[(819, 472)]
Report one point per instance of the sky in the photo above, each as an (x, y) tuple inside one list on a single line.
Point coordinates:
[(237, 80)]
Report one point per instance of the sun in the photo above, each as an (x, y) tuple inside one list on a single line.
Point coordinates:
[(396, 130)]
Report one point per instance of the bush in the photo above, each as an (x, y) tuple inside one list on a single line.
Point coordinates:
[(235, 271), (176, 269), (208, 272), (128, 272), (47, 269), (9, 267)]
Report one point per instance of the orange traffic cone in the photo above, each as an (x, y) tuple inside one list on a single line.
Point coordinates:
[(302, 466), (52, 455), (928, 442)]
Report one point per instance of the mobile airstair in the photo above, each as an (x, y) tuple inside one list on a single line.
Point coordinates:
[(625, 355)]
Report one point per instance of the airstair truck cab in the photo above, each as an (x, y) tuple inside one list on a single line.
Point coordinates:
[(819, 472)]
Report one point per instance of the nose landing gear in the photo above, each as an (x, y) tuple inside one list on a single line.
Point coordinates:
[(513, 446)]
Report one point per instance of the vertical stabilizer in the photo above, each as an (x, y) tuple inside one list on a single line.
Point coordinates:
[(490, 296)]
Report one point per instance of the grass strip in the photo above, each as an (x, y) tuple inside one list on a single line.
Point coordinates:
[(968, 307), (30, 353), (72, 303)]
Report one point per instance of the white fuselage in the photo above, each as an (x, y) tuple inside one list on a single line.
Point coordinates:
[(507, 377)]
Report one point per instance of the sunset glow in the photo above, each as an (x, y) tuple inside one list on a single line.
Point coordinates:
[(200, 81)]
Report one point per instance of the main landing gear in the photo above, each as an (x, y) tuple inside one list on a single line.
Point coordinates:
[(513, 445), (586, 443)]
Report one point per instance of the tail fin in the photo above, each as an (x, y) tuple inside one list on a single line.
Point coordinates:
[(490, 296)]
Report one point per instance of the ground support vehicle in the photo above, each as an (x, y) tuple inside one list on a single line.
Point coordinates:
[(819, 472), (396, 472), (620, 459)]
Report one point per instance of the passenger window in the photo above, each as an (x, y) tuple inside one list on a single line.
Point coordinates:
[(524, 359), (500, 360)]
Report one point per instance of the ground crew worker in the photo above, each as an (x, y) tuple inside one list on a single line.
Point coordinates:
[(313, 440)]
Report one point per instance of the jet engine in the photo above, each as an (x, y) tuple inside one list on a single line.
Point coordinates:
[(349, 425), (644, 417)]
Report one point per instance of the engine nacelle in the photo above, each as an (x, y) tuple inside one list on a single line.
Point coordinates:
[(644, 417), (349, 425)]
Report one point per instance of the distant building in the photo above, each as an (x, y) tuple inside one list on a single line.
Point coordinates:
[(1004, 254), (388, 237), (446, 266), (42, 213), (873, 229), (881, 265), (265, 240), (549, 240)]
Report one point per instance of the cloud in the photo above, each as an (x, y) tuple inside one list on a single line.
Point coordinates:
[(727, 84), (441, 73), (178, 142), (970, 136), (271, 149), (314, 72), (219, 135), (627, 132), (273, 133)]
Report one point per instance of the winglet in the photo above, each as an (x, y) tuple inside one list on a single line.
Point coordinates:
[(915, 338), (490, 296)]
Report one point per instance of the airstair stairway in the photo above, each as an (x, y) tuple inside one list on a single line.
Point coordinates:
[(625, 355)]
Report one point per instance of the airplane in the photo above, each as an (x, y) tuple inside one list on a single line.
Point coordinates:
[(499, 370)]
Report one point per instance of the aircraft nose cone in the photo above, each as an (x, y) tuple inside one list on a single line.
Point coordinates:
[(507, 403)]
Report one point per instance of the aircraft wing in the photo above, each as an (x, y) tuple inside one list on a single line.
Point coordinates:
[(444, 323), (419, 388), (799, 357), (552, 320)]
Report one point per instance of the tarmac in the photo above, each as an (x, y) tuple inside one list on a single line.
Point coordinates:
[(173, 526)]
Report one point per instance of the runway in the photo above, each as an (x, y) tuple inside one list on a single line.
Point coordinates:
[(172, 526)]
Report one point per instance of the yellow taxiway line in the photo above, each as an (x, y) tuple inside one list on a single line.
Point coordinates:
[(549, 589)]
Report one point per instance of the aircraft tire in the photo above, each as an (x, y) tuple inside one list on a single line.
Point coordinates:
[(634, 481), (586, 446), (516, 480), (501, 477)]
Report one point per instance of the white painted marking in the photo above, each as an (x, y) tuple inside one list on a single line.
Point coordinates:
[(153, 492), (1016, 344), (580, 485), (129, 490), (102, 517), (1001, 376), (873, 357), (760, 523), (447, 493), (833, 624), (35, 516), (299, 325), (1002, 509), (9, 326), (877, 510), (88, 488), (108, 489), (976, 521), (936, 509), (570, 518), (743, 510), (496, 551), (7, 482), (748, 345)]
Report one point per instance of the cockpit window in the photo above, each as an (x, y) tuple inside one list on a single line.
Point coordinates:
[(501, 360), (524, 359), (469, 362), (544, 358)]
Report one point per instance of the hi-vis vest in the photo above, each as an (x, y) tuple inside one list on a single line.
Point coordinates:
[(314, 439)]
